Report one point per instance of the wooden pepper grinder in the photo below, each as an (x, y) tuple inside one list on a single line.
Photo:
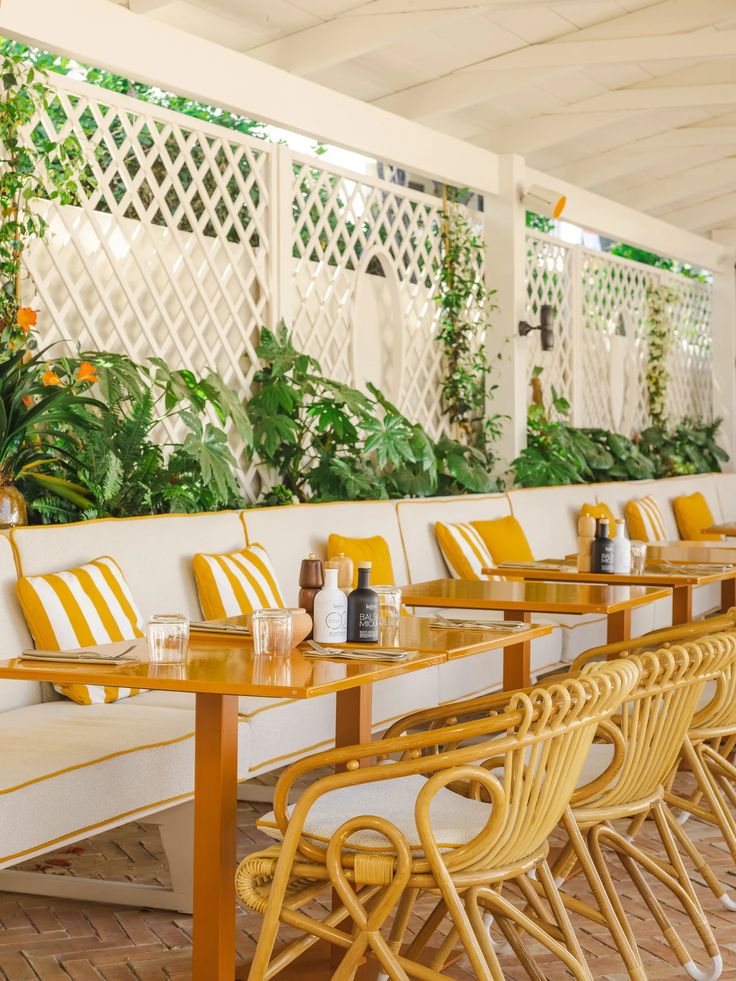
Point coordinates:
[(311, 580), (586, 535)]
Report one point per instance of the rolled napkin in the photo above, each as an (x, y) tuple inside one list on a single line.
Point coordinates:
[(502, 625), (358, 653)]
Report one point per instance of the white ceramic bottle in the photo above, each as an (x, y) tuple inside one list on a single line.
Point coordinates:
[(330, 612), (621, 550)]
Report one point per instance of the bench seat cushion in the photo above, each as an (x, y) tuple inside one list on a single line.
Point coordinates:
[(70, 770)]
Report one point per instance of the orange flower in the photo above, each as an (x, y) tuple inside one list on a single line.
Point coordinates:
[(27, 401), (50, 378), (87, 373), (27, 318)]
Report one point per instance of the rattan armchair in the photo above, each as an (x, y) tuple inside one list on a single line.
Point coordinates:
[(418, 813), (653, 725)]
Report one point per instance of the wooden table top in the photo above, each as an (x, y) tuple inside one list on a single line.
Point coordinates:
[(728, 529), (230, 667), (652, 575), (692, 552), (529, 597)]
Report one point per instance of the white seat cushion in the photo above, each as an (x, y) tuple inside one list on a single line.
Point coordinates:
[(455, 820), (69, 770), (597, 761)]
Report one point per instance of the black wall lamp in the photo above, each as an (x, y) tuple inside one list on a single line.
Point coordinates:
[(546, 315)]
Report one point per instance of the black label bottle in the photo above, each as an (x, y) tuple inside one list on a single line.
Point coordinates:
[(363, 609), (602, 554)]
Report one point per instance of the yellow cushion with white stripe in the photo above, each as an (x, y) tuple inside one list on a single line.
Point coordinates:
[(239, 582), (89, 605), (463, 549), (644, 520)]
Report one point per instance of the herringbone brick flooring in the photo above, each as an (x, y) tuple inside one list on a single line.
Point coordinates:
[(58, 940)]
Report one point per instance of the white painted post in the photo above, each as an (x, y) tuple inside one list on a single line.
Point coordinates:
[(281, 224), (723, 326), (505, 232), (576, 315)]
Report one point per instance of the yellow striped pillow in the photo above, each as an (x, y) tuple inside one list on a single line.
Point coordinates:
[(89, 605), (645, 521), (464, 551), (238, 582)]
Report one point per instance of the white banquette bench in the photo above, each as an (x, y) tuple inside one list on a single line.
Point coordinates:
[(69, 771)]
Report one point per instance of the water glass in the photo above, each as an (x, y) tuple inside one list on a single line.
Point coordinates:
[(272, 632), (168, 637), (389, 606), (638, 558)]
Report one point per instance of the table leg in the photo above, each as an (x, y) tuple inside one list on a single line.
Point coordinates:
[(728, 594), (619, 626), (682, 605), (517, 658), (353, 711), (215, 823)]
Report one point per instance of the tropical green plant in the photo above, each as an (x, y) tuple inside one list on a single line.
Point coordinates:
[(127, 462), (558, 453), (691, 447), (659, 341), (33, 168), (465, 308), (325, 440)]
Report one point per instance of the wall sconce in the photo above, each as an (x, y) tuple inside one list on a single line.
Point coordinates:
[(545, 327), (544, 201)]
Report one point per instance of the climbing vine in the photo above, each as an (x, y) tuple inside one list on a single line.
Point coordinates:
[(659, 335), (465, 305)]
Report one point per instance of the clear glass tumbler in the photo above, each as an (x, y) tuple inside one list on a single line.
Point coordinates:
[(389, 606), (168, 638), (272, 631), (638, 558)]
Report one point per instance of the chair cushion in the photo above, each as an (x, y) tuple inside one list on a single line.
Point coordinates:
[(464, 551), (69, 771), (239, 582), (374, 550), (504, 539), (76, 607), (455, 820), (693, 515), (645, 521)]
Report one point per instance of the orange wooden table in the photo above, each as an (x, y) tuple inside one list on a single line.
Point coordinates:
[(519, 600), (218, 672), (681, 583)]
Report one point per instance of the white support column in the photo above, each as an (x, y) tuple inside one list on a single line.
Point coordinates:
[(723, 321), (576, 315), (281, 219), (505, 232)]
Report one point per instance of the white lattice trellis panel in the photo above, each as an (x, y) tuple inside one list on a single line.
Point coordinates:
[(348, 230), (168, 251), (549, 279)]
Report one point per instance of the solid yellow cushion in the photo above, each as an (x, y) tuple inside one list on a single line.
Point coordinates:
[(505, 540), (89, 605), (599, 511), (374, 550), (644, 520), (693, 515), (464, 551), (235, 583)]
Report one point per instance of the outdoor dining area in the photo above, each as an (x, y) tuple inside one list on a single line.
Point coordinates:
[(367, 490)]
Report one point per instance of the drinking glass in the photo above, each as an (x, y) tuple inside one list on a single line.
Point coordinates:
[(272, 631), (389, 606), (168, 636), (638, 558)]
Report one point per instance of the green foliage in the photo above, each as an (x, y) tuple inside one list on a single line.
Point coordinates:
[(540, 223), (465, 306), (659, 340), (33, 168), (658, 261), (124, 464), (327, 441), (558, 453), (691, 447)]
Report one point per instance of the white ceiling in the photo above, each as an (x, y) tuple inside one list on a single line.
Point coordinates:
[(634, 99)]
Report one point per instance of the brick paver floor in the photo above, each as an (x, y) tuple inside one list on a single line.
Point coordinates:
[(55, 939)]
